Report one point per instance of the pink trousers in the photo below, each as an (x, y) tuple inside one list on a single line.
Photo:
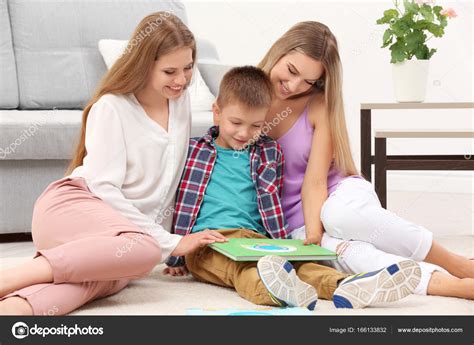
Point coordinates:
[(93, 250)]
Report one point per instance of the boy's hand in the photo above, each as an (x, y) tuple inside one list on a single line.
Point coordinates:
[(176, 271), (314, 239), (191, 242)]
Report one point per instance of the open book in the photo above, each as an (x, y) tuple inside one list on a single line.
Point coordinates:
[(252, 249)]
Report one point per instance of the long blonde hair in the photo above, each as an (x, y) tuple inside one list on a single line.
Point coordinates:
[(157, 34), (318, 42)]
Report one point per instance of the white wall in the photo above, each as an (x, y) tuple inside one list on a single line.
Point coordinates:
[(243, 31)]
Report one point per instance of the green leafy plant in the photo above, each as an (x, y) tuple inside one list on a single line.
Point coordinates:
[(409, 30)]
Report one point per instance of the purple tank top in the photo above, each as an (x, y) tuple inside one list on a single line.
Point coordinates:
[(296, 146)]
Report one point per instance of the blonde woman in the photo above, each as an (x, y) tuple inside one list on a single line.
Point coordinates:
[(103, 224), (324, 199)]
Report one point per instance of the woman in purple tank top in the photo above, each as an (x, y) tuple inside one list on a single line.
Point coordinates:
[(324, 199)]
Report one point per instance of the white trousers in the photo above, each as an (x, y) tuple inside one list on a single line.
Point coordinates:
[(368, 237)]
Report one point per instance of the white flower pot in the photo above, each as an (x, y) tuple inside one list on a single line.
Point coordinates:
[(409, 80)]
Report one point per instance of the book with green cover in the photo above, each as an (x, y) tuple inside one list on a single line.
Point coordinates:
[(252, 249)]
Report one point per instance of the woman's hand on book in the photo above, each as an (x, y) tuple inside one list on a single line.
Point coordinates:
[(191, 242), (314, 239)]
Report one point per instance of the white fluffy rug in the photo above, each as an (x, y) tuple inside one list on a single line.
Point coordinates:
[(164, 295)]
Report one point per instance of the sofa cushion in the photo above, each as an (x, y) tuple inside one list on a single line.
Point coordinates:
[(55, 44), (8, 80), (53, 134), (41, 134)]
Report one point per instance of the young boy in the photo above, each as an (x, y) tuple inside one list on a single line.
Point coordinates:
[(232, 184)]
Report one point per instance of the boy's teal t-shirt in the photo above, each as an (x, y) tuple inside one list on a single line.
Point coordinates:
[(230, 199)]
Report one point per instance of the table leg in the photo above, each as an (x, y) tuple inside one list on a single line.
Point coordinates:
[(381, 170), (366, 144)]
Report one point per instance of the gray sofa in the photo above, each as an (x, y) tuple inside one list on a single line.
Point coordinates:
[(49, 68)]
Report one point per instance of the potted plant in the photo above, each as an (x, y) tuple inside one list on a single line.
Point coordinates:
[(408, 32)]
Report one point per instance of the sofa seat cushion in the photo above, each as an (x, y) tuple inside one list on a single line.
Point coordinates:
[(53, 134), (38, 134)]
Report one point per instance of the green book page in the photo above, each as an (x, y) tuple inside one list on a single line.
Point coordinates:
[(251, 249)]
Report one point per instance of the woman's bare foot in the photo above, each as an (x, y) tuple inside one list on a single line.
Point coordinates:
[(15, 306), (442, 284), (35, 271)]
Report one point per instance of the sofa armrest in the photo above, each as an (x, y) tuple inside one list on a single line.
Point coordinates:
[(212, 72)]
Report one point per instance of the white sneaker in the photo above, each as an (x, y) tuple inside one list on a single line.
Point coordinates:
[(389, 284), (285, 288)]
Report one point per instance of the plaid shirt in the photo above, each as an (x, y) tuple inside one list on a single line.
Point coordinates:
[(266, 170)]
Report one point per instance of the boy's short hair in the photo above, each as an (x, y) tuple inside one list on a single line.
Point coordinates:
[(247, 85)]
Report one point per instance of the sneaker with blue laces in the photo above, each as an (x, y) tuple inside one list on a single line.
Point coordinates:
[(389, 284), (285, 288)]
